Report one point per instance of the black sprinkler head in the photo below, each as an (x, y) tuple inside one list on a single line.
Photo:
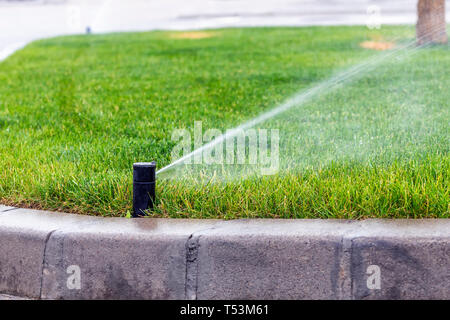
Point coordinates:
[(144, 178)]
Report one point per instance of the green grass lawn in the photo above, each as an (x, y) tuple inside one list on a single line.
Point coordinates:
[(76, 112)]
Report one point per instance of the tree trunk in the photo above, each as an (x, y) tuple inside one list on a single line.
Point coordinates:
[(431, 27)]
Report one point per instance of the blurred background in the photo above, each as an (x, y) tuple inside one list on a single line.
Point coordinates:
[(22, 21)]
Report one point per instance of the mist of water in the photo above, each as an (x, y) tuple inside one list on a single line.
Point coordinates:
[(390, 124)]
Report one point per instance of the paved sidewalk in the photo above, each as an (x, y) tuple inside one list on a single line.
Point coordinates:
[(27, 20)]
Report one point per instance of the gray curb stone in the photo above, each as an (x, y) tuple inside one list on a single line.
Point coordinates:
[(23, 237), (121, 258), (413, 258), (272, 259)]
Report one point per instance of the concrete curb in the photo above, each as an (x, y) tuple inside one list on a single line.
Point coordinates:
[(46, 255)]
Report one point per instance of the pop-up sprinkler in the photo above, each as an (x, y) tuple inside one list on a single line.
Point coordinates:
[(144, 177)]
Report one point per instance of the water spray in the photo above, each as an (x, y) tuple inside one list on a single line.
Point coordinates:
[(345, 76), (144, 178)]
